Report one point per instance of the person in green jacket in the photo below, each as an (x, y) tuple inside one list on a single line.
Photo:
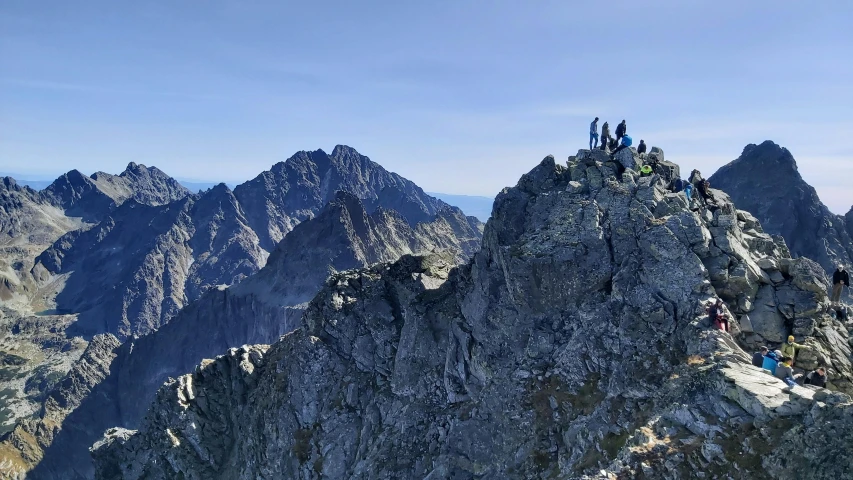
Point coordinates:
[(789, 348)]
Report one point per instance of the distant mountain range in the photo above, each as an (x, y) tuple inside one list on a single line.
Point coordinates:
[(476, 206), (124, 254)]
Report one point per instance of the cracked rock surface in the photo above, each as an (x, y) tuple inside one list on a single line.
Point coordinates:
[(573, 345)]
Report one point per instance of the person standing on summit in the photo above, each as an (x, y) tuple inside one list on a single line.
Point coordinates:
[(605, 136), (593, 133), (840, 279), (621, 130)]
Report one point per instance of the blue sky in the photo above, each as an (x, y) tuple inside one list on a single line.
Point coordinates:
[(459, 96)]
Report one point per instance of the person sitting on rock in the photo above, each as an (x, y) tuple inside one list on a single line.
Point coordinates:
[(785, 372), (771, 361), (621, 130), (789, 348), (758, 357), (816, 378), (840, 279), (717, 314), (641, 148), (626, 142), (593, 133)]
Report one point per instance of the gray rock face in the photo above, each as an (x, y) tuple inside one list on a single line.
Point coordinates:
[(133, 271), (764, 181), (258, 310), (25, 446), (573, 345)]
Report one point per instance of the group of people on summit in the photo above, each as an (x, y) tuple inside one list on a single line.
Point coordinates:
[(695, 183), (622, 139), (779, 363)]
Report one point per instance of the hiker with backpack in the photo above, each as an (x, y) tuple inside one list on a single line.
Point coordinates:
[(758, 357), (840, 279), (593, 133), (641, 148)]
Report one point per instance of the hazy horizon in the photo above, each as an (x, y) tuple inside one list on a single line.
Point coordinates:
[(461, 98)]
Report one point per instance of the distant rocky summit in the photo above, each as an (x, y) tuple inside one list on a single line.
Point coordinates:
[(765, 181), (143, 252), (574, 344)]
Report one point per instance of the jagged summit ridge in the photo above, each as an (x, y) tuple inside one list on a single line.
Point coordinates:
[(765, 181), (575, 341)]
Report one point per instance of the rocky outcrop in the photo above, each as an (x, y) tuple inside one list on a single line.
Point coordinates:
[(258, 310), (573, 345), (25, 446), (765, 181)]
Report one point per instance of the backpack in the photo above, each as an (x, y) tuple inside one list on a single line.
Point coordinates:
[(677, 185), (626, 140), (841, 314)]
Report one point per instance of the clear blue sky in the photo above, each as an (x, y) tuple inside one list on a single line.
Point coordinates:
[(459, 96)]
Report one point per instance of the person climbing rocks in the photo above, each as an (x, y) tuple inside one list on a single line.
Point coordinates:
[(621, 130), (641, 148), (705, 193), (816, 378), (785, 372), (645, 170), (593, 133), (789, 348), (605, 135), (771, 361), (695, 177), (758, 357), (840, 279), (688, 192)]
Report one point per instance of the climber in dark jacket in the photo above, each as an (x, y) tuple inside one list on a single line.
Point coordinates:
[(758, 357), (641, 148), (840, 279), (621, 129), (816, 378)]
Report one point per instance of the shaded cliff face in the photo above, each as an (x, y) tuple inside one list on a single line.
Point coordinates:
[(258, 310), (575, 341), (765, 181), (133, 271)]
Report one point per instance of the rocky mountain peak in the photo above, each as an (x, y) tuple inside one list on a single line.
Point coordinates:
[(770, 155), (575, 344), (764, 181)]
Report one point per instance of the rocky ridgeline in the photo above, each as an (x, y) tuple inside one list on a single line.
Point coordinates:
[(573, 345), (765, 181), (260, 309)]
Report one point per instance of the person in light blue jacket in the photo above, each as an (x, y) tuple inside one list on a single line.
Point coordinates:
[(593, 133)]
